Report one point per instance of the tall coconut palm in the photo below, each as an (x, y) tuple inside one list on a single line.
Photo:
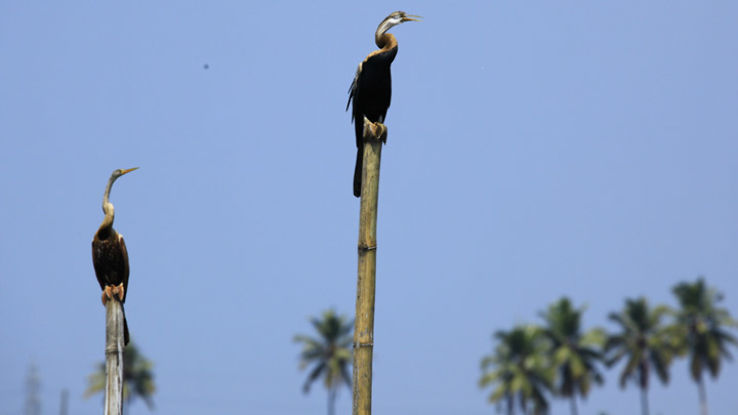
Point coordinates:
[(138, 378), (644, 342), (575, 356), (518, 371), (329, 353), (703, 326)]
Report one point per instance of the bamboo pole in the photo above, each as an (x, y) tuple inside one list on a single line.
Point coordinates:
[(374, 135), (113, 357)]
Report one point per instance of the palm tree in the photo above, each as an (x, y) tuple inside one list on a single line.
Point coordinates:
[(702, 325), (575, 356), (645, 343), (138, 378), (330, 354), (519, 370)]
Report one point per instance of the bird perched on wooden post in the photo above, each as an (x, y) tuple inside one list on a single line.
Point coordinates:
[(371, 89), (109, 254)]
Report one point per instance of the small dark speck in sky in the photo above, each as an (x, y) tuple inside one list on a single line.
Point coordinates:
[(206, 66)]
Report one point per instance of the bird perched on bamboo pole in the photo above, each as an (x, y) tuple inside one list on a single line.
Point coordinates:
[(371, 89), (109, 254)]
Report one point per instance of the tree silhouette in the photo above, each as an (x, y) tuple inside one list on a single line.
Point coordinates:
[(519, 370), (574, 355), (329, 354), (703, 325), (645, 344)]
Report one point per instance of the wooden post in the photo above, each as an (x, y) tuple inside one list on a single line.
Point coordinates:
[(374, 135), (113, 358)]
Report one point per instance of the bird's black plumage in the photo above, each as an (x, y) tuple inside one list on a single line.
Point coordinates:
[(371, 90)]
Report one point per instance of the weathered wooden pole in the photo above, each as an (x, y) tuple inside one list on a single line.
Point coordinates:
[(113, 357), (374, 135)]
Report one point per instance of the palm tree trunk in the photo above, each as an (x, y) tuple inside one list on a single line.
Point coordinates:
[(64, 406), (644, 401), (113, 357), (703, 396), (374, 134), (573, 401), (331, 401)]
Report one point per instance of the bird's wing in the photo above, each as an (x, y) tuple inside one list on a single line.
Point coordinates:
[(354, 89), (99, 272), (126, 270)]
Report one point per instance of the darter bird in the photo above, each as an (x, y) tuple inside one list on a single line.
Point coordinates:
[(371, 89), (109, 254)]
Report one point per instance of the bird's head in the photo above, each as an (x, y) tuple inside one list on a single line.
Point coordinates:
[(394, 19), (119, 172)]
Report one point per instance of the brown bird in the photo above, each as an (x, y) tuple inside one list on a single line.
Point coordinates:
[(371, 89), (109, 254)]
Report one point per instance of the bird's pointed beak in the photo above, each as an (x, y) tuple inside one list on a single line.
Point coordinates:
[(411, 18), (128, 170)]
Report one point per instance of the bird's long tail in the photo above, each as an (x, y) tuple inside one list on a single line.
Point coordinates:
[(126, 336), (357, 171)]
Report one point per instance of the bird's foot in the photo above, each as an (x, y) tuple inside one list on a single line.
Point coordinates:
[(375, 130), (107, 294), (382, 132), (120, 291)]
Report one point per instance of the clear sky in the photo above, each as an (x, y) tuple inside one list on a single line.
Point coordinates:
[(536, 149)]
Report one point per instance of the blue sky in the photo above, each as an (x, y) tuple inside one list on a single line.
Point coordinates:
[(535, 149)]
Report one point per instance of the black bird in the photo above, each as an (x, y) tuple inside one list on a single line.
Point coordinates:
[(371, 89), (109, 254)]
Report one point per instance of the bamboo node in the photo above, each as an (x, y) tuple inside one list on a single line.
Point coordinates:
[(112, 349), (366, 248), (358, 345)]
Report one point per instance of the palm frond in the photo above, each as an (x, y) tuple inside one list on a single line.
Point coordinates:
[(330, 351), (314, 374)]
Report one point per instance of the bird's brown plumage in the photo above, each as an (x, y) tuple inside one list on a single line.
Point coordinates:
[(109, 254), (110, 259)]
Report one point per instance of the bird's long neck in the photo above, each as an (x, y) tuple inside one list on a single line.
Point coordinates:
[(108, 208), (385, 41)]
